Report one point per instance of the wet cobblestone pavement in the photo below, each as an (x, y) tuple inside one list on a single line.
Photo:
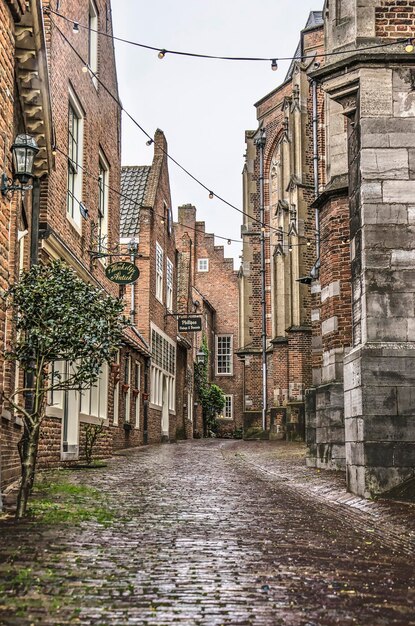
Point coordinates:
[(214, 532)]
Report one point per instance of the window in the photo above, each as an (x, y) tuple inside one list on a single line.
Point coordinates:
[(224, 355), (127, 381), (169, 285), (75, 147), (93, 401), (159, 272), (93, 41), (228, 408), (227, 411), (203, 265), (103, 180), (117, 391), (163, 366), (137, 376)]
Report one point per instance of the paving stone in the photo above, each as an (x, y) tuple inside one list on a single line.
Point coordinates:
[(211, 533)]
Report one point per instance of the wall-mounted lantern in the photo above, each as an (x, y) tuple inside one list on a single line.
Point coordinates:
[(200, 357), (24, 150)]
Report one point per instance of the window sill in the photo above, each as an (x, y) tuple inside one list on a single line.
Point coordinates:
[(74, 224), (92, 419)]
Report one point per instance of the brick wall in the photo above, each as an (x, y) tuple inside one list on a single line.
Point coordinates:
[(221, 278), (286, 117), (395, 19), (11, 209)]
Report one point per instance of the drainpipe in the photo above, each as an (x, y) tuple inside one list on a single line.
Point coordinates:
[(260, 143), (315, 170), (34, 260)]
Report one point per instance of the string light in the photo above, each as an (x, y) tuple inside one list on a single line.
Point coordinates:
[(150, 140), (75, 28), (85, 69), (290, 247), (409, 46), (229, 242), (308, 242), (134, 201), (274, 65), (163, 51)]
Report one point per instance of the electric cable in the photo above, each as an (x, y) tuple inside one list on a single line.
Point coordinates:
[(163, 51), (151, 140)]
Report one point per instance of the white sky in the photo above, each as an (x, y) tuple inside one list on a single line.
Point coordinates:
[(203, 106)]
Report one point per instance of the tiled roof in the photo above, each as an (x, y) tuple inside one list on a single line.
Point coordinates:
[(133, 189), (314, 19)]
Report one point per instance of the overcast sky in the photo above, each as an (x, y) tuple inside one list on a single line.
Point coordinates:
[(203, 106)]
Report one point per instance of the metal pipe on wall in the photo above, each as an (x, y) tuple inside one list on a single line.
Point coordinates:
[(260, 143), (315, 165)]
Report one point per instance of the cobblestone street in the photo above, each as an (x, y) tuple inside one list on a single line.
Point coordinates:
[(214, 532)]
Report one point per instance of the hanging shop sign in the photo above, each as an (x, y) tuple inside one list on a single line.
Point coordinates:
[(189, 324), (122, 272)]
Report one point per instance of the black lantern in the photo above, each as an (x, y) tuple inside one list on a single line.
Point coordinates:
[(200, 357), (24, 150)]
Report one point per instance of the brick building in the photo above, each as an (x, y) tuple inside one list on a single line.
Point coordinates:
[(285, 125), (367, 317), (73, 211), (25, 108), (146, 220), (205, 275)]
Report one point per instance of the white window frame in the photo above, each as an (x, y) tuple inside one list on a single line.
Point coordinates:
[(93, 41), (116, 397), (203, 265), (159, 272), (75, 160), (103, 187), (228, 414), (219, 353), (127, 403), (137, 366), (93, 402), (163, 365), (169, 284)]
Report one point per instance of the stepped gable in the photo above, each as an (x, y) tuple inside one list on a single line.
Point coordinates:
[(134, 181)]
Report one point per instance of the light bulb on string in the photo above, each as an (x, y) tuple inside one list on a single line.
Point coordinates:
[(211, 195), (290, 248), (161, 54), (149, 142), (308, 243), (274, 65), (263, 229), (409, 46), (85, 69), (75, 27), (229, 242)]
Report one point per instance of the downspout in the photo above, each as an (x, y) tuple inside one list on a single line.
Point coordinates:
[(132, 304), (34, 260), (316, 267), (260, 143)]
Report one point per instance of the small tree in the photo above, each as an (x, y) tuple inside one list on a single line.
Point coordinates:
[(57, 317), (211, 396), (92, 432)]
